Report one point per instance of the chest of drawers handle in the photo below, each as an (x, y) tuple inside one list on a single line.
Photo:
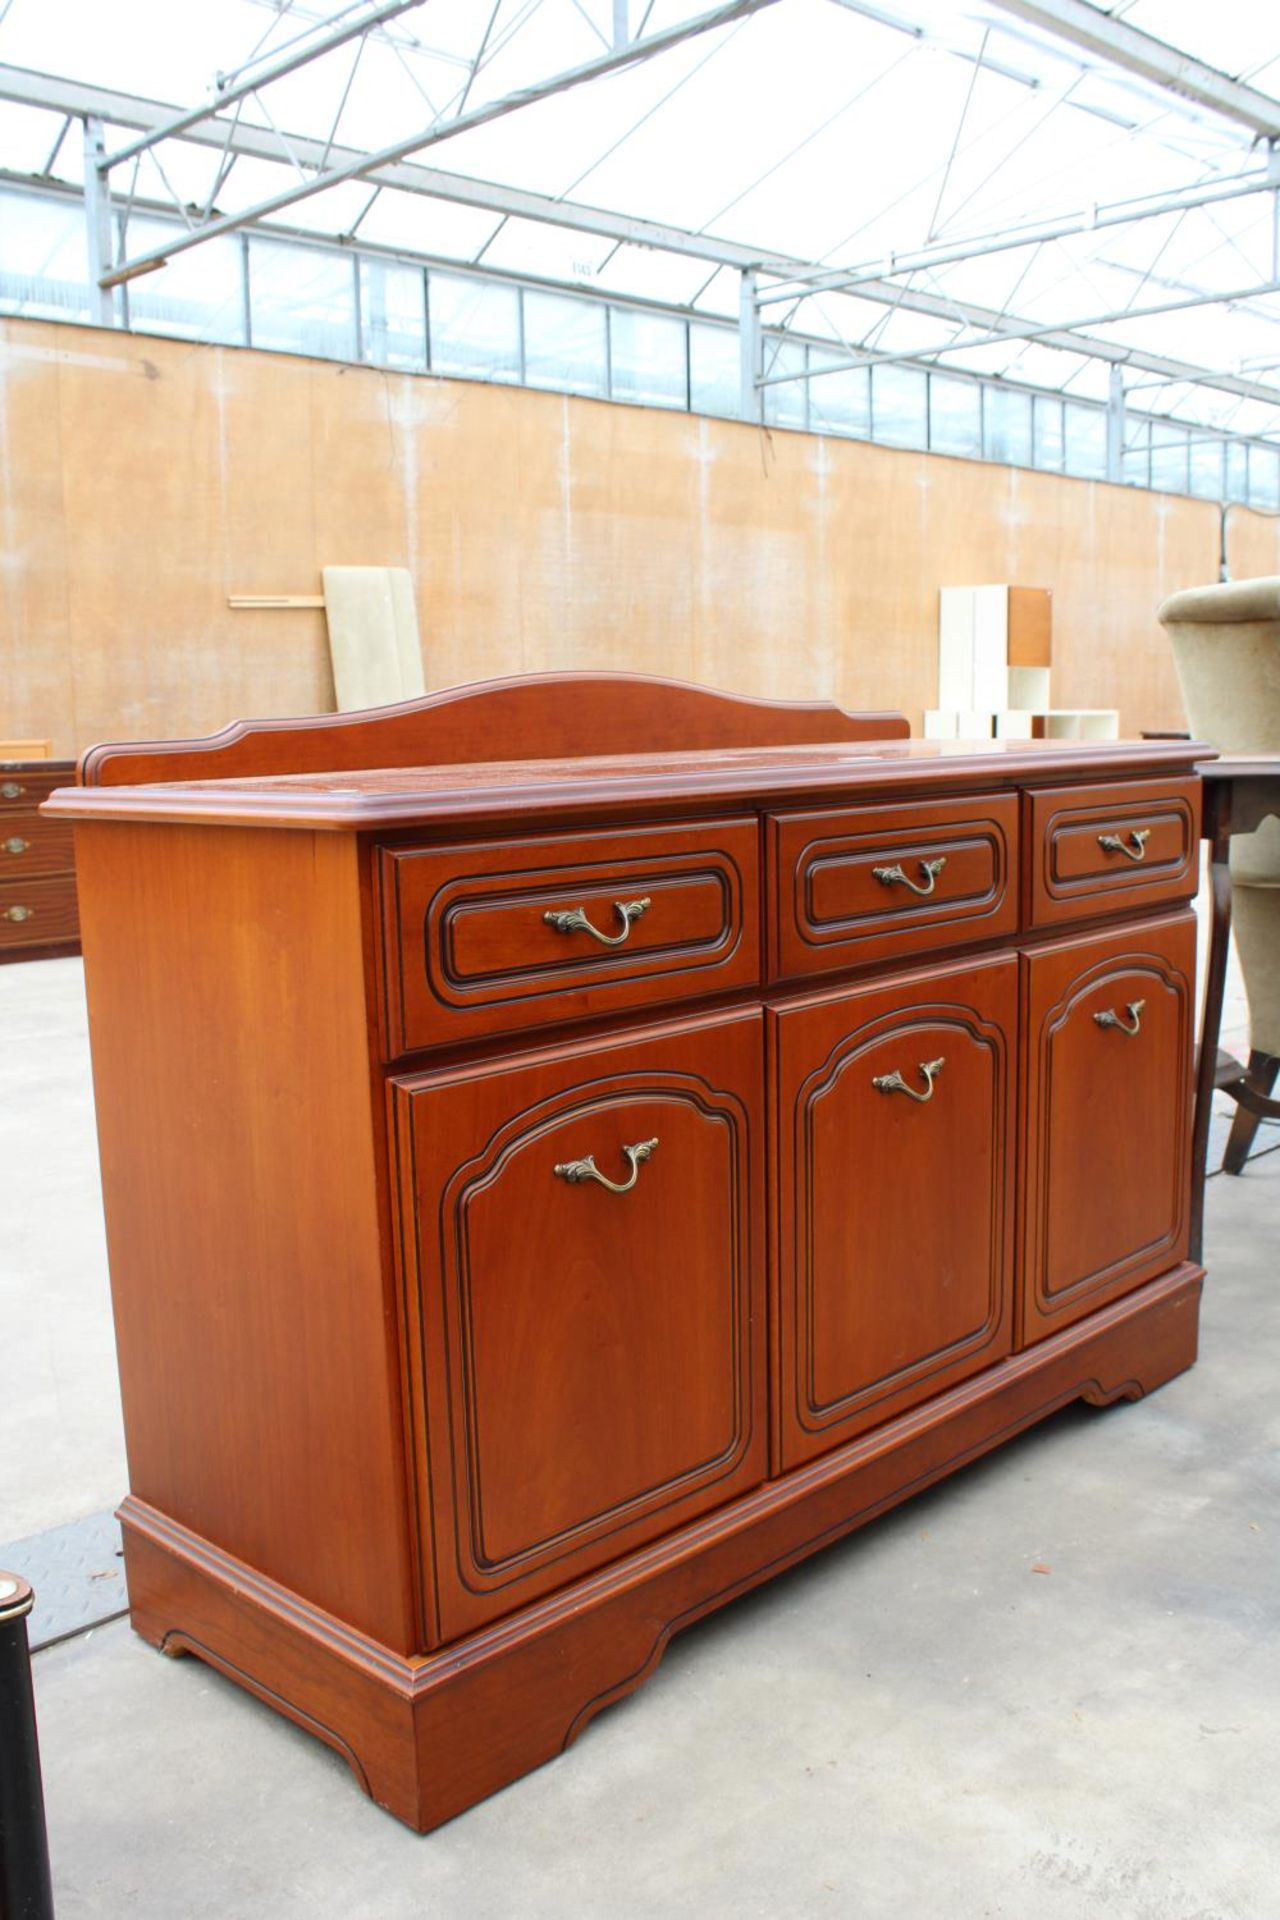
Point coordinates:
[(18, 914), (16, 845), (894, 1082), (576, 921), (11, 790), (1131, 1027), (897, 876), (1136, 849), (576, 1171)]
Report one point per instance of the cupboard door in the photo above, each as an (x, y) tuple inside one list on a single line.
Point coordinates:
[(895, 1143), (1109, 1046), (586, 1294)]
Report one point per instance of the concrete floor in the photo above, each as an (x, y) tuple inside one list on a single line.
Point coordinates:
[(916, 1723)]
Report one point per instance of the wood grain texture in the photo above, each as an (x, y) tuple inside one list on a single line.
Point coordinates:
[(430, 1737), (467, 948), (831, 910), (1070, 875), (1107, 1134), (621, 788), (894, 1213), (593, 1363), (547, 716), (251, 1275)]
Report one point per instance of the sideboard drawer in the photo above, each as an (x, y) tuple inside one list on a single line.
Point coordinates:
[(35, 912), (495, 936), (24, 788), (1111, 849), (584, 1247), (30, 844), (859, 884)]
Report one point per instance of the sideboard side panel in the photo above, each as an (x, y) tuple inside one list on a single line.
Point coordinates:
[(254, 1304)]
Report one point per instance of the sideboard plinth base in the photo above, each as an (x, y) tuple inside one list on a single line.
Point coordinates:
[(428, 1737)]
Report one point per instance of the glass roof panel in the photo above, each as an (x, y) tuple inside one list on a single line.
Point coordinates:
[(843, 135)]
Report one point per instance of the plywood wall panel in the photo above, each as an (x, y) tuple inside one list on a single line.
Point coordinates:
[(37, 679), (1253, 543), (266, 455), (143, 535), (143, 481)]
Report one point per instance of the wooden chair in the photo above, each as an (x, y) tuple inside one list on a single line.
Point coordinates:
[(1226, 645)]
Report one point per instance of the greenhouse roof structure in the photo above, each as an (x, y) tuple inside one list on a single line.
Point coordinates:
[(1080, 199)]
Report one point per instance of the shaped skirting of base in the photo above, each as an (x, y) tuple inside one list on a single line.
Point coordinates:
[(428, 1737)]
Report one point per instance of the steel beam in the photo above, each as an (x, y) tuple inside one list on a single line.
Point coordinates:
[(1115, 425), (369, 163), (97, 221), (1119, 45), (930, 36), (750, 349), (1015, 330), (977, 246), (273, 70)]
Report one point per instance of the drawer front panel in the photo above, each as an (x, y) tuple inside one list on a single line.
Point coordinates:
[(493, 937), (1111, 849), (894, 1130), (1107, 1077), (36, 912), (859, 884), (25, 789), (593, 1355), (30, 844)]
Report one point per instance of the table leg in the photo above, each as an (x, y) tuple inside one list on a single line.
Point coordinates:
[(1219, 830)]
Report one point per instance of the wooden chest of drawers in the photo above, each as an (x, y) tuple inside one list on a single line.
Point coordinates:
[(545, 1197), (38, 914)]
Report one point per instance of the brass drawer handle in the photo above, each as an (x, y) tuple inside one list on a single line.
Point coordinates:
[(576, 1171), (11, 790), (1135, 850), (16, 846), (894, 1082), (18, 914), (576, 921), (894, 876), (1134, 1011)]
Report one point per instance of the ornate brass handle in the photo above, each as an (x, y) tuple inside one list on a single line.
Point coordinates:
[(894, 876), (18, 914), (11, 790), (575, 1171), (16, 846), (576, 921), (1136, 850), (894, 1082), (1134, 1011)]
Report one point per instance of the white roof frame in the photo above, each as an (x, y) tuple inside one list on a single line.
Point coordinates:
[(1099, 35), (1119, 45)]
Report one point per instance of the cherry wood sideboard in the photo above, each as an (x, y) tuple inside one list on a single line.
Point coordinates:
[(574, 1147), (38, 917)]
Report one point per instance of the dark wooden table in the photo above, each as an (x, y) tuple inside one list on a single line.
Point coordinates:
[(1240, 792)]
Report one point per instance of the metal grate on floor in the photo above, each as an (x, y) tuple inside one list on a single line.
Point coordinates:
[(77, 1573)]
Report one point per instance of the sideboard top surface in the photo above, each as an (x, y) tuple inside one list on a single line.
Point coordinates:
[(388, 797)]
